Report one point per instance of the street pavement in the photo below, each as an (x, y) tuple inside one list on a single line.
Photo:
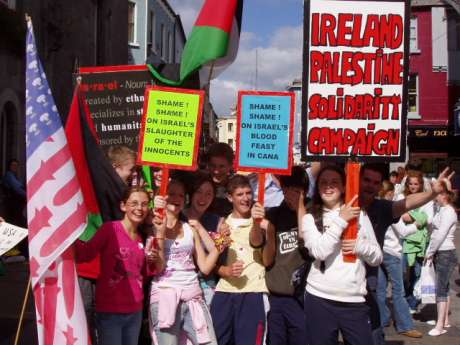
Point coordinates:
[(13, 286)]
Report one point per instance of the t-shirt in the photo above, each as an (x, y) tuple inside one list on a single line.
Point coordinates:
[(180, 269), (252, 278), (210, 222), (380, 213), (288, 255), (119, 288)]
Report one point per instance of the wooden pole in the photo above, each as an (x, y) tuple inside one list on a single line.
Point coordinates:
[(261, 190), (351, 189), (21, 317), (164, 187)]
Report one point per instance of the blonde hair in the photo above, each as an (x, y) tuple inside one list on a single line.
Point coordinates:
[(120, 155)]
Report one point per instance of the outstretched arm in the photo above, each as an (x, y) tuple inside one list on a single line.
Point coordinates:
[(416, 200)]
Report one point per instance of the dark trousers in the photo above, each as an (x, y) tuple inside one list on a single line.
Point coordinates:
[(238, 318), (325, 318), (286, 321)]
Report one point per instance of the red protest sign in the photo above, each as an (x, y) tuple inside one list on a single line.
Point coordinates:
[(355, 68)]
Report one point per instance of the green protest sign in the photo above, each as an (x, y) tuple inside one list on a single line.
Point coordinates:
[(171, 127)]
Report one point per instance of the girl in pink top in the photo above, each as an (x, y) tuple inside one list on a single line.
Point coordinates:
[(124, 263), (176, 302)]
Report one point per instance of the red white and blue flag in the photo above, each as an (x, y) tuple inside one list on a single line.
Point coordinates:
[(56, 213)]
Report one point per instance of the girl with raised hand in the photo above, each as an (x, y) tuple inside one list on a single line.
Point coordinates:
[(176, 299), (336, 290), (124, 264)]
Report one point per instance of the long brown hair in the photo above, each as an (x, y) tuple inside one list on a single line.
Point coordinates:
[(413, 174)]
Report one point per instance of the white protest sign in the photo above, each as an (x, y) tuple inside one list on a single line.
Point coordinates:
[(10, 235)]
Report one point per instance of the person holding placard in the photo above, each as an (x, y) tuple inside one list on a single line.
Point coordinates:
[(240, 303), (285, 254), (176, 299), (443, 252), (124, 263), (336, 290)]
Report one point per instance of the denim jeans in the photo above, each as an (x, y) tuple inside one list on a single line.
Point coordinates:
[(412, 278), (183, 323), (118, 329), (88, 293), (391, 270), (445, 262)]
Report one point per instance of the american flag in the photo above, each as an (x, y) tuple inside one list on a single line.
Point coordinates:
[(56, 213)]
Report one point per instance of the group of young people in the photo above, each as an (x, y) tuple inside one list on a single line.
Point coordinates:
[(422, 236), (274, 276)]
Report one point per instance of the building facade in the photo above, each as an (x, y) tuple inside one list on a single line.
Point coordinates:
[(65, 40), (226, 130), (434, 85), (155, 33)]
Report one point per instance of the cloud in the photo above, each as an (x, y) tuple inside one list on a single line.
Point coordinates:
[(278, 63), (279, 60), (188, 11)]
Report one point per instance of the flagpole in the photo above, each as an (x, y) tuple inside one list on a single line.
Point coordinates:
[(21, 317)]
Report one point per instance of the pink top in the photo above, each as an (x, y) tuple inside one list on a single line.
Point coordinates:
[(119, 288)]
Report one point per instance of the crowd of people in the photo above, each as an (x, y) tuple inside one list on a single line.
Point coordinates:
[(209, 264)]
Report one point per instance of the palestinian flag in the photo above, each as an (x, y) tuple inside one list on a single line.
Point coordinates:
[(213, 42), (101, 186)]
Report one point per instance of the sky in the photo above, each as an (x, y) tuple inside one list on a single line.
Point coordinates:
[(274, 29)]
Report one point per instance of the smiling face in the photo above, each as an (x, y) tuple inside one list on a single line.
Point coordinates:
[(413, 185), (176, 198), (202, 198), (136, 208), (330, 188), (241, 198), (220, 169)]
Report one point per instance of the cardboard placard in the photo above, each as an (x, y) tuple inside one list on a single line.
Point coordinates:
[(171, 128), (10, 235), (265, 126), (354, 80), (115, 99)]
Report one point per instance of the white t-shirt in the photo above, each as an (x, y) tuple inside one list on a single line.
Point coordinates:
[(180, 270), (444, 226)]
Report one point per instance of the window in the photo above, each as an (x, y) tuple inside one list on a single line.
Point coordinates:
[(171, 48), (230, 127), (413, 46), (412, 106), (151, 39), (131, 22), (163, 41)]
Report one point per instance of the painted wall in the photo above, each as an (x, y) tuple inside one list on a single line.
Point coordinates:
[(432, 86)]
